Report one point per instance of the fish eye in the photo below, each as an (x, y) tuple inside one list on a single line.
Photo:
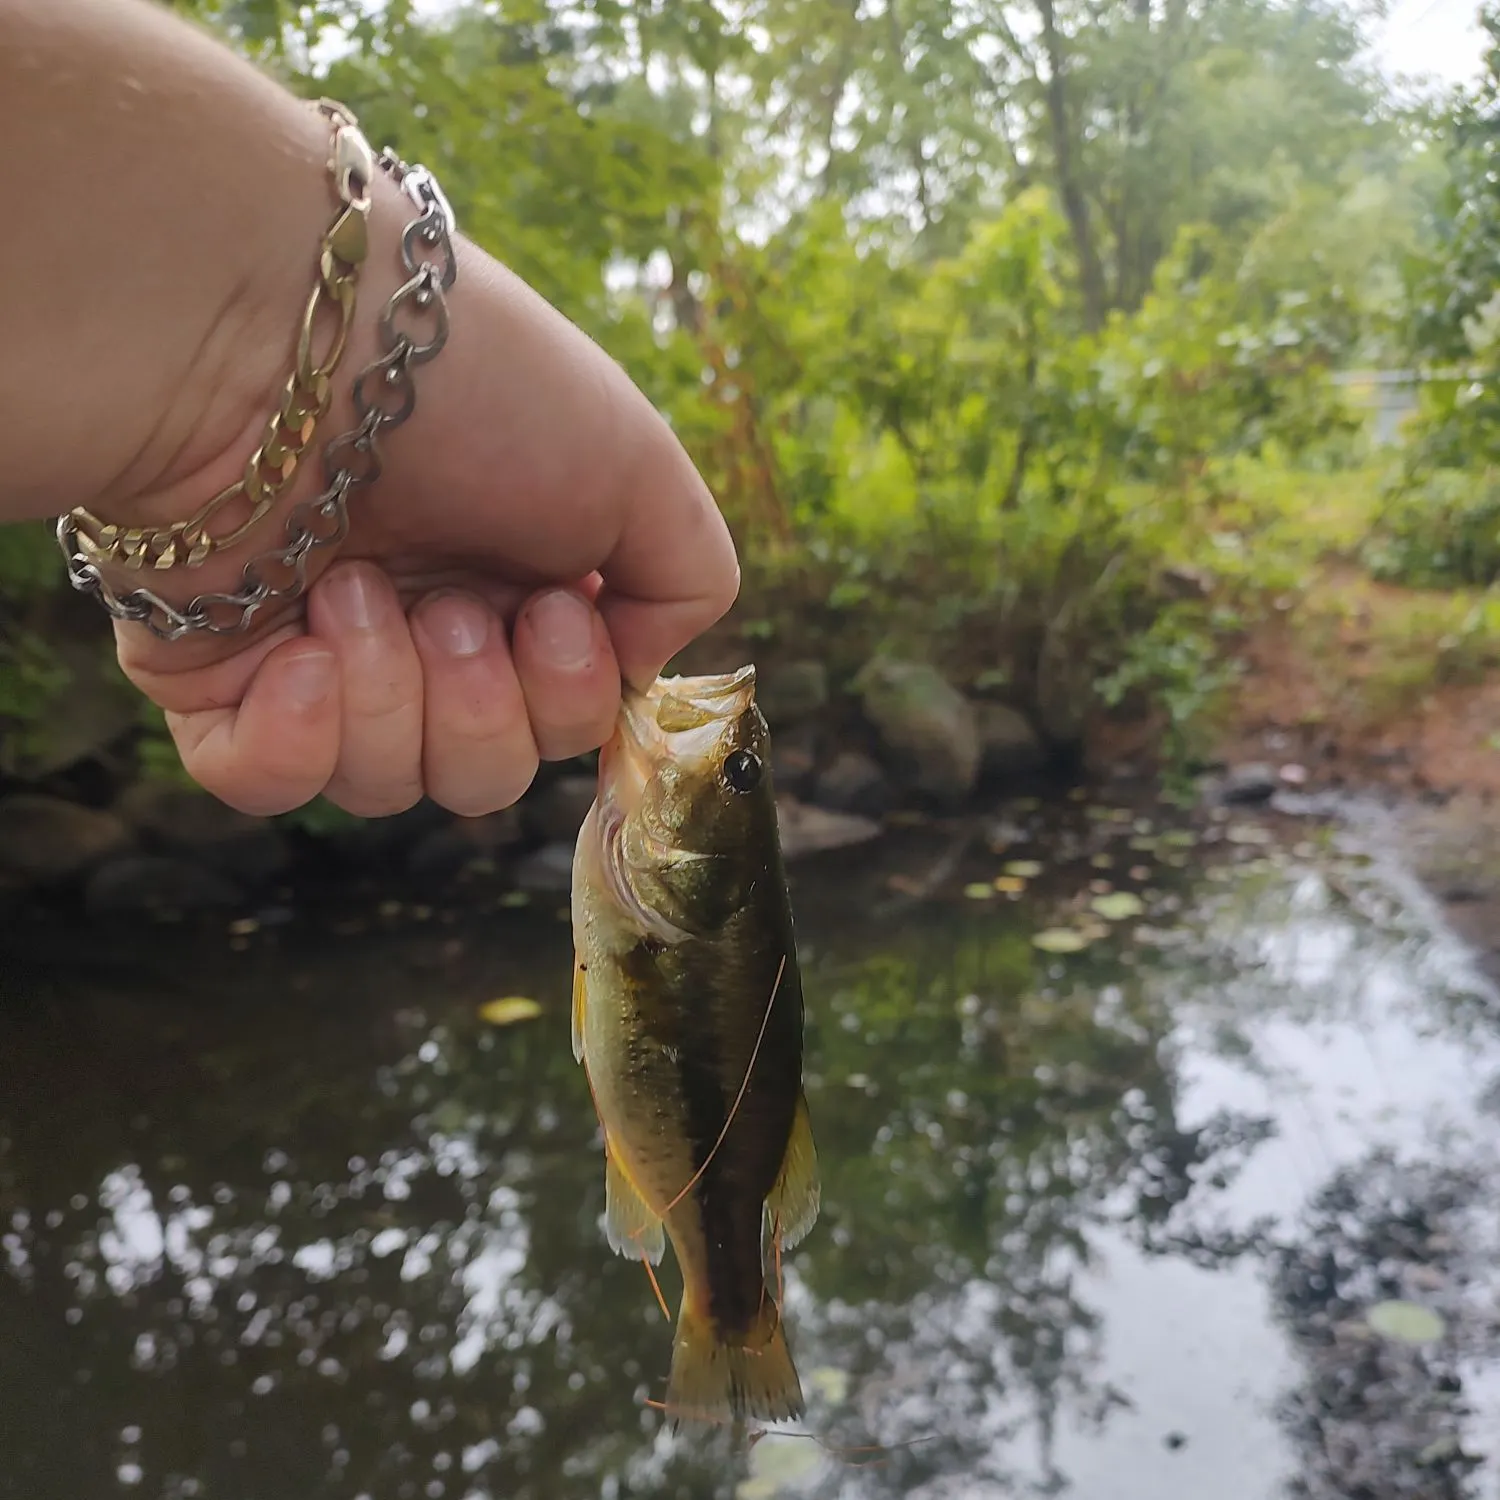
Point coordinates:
[(742, 770)]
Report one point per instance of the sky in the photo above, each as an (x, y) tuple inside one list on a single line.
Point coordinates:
[(1437, 38), (1433, 40)]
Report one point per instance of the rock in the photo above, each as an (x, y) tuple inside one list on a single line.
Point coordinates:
[(794, 758), (554, 813), (792, 693), (45, 839), (95, 709), (809, 830), (1008, 744), (185, 820), (549, 868), (853, 783), (1252, 782), (138, 883), (440, 855), (490, 833), (930, 728)]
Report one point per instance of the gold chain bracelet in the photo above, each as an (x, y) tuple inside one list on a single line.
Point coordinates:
[(305, 399)]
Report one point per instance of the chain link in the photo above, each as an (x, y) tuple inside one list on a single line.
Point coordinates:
[(281, 573), (305, 399)]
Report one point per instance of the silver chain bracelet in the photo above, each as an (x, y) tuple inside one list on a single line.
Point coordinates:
[(322, 522)]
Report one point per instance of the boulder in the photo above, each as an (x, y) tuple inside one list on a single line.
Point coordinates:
[(1008, 743), (141, 883), (793, 692), (853, 783), (809, 830), (184, 820), (1248, 783), (555, 812), (930, 729), (549, 868), (46, 839), (794, 757)]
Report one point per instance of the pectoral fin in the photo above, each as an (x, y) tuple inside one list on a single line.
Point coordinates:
[(630, 1226), (580, 1000), (792, 1205)]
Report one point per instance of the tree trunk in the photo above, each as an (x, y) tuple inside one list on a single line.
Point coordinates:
[(1070, 189)]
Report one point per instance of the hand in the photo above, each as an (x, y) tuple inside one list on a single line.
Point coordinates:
[(537, 530), (438, 664)]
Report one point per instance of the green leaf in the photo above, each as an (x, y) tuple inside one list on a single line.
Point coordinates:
[(1118, 905), (1061, 940), (1406, 1322)]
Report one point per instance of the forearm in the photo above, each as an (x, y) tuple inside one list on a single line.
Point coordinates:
[(171, 198)]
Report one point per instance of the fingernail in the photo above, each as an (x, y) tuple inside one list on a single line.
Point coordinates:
[(456, 626), (564, 628), (309, 678), (351, 598)]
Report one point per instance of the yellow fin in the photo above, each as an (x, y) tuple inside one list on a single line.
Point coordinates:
[(748, 1377), (580, 1000), (631, 1228), (794, 1202)]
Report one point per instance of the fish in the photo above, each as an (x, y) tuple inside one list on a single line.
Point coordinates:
[(688, 1020)]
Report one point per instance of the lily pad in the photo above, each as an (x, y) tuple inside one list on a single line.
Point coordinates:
[(979, 890), (1406, 1322), (1027, 869), (1144, 843), (515, 899), (1179, 838), (1248, 833), (830, 1383), (1118, 905), (1103, 861), (1009, 885), (508, 1010), (1060, 940), (777, 1461)]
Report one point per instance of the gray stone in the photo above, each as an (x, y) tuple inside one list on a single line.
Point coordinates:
[(1252, 782), (138, 883), (807, 830), (853, 783), (794, 757), (1009, 745), (94, 710), (549, 868), (188, 821), (793, 692), (926, 723), (555, 812), (45, 839)]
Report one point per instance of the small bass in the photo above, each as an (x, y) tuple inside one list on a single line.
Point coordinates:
[(687, 1017)]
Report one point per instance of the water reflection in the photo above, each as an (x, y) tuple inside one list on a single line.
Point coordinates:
[(1107, 1221)]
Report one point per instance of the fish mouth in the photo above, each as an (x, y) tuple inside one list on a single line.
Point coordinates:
[(678, 717)]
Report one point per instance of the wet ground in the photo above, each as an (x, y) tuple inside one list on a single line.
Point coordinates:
[(1197, 1200)]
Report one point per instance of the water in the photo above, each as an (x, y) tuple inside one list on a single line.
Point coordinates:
[(280, 1216)]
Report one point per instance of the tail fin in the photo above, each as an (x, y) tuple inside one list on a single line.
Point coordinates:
[(750, 1375)]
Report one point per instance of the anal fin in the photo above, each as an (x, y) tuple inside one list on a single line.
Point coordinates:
[(629, 1225), (793, 1203)]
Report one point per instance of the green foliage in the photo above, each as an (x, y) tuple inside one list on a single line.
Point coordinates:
[(1439, 529), (977, 321)]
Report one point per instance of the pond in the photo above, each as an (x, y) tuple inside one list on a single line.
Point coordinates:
[(281, 1215)]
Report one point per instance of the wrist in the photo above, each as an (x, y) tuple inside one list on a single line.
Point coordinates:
[(141, 366)]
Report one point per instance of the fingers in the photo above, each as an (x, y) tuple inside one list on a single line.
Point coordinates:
[(279, 747), (673, 570), (356, 612), (478, 752), (544, 462), (568, 671)]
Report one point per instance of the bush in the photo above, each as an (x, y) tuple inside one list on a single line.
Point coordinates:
[(1439, 530)]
